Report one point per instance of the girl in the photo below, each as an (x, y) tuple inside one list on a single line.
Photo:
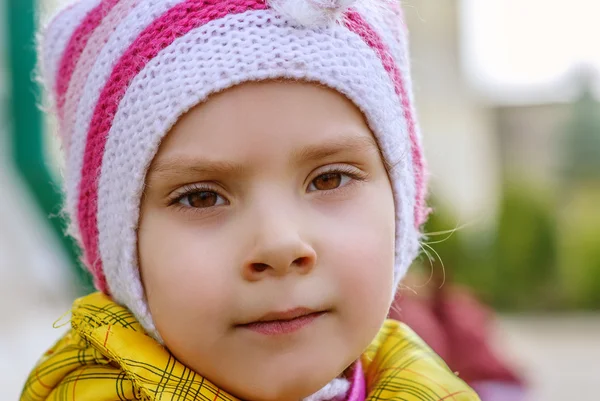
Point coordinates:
[(247, 183)]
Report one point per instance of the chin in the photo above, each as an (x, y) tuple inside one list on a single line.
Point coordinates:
[(285, 389), (279, 394)]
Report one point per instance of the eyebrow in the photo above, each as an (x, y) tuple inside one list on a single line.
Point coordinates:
[(194, 166), (320, 151), (198, 166)]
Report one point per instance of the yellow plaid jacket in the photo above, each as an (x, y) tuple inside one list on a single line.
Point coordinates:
[(107, 357)]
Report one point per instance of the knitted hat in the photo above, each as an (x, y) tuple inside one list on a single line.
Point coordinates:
[(121, 72)]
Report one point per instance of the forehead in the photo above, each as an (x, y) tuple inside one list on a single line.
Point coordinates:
[(266, 120)]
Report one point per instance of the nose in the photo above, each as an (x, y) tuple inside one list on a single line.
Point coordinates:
[(278, 248)]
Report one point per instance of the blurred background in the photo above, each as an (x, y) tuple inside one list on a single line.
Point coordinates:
[(507, 93)]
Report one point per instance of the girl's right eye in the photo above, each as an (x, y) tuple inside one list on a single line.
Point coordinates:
[(200, 199)]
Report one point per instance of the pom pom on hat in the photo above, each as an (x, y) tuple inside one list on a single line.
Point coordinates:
[(312, 13)]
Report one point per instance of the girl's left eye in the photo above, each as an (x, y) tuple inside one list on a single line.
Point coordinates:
[(199, 198), (329, 181)]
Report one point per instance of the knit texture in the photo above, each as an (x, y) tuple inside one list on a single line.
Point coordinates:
[(121, 73)]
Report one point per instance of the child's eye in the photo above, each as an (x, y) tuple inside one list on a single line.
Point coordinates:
[(200, 199), (332, 180), (328, 181)]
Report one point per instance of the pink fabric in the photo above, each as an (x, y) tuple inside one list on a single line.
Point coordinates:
[(500, 391), (86, 62), (356, 23), (161, 33), (420, 315), (76, 46), (358, 391), (458, 327)]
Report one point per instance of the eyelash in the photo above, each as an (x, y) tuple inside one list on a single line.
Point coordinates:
[(353, 173), (190, 190)]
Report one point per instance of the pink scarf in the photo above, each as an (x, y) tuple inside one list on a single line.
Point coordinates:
[(342, 389)]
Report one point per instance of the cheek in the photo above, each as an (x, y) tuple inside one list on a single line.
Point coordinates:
[(365, 276), (181, 270), (360, 251), (361, 247)]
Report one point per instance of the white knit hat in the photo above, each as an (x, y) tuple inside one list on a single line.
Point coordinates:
[(121, 72)]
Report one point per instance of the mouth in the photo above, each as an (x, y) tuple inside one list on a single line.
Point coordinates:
[(279, 323)]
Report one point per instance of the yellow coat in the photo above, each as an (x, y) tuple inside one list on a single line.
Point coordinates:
[(107, 357)]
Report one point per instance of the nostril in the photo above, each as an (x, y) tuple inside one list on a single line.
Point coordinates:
[(259, 267), (302, 262)]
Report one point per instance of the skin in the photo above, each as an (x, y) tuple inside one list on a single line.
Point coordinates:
[(267, 197)]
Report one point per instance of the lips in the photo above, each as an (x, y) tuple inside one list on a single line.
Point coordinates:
[(286, 322)]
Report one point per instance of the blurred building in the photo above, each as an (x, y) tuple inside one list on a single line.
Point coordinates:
[(538, 141), (476, 136), (529, 138), (457, 125)]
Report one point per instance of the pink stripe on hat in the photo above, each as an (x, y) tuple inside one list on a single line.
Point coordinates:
[(161, 33), (76, 46), (87, 60), (356, 23)]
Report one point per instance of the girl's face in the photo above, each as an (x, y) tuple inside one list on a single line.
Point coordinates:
[(266, 239)]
